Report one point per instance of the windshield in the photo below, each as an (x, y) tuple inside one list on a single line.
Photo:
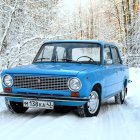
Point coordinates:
[(69, 52)]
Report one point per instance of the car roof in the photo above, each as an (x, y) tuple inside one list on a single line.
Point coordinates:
[(80, 41)]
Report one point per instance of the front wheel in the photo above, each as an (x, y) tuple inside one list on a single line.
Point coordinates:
[(15, 107), (92, 107)]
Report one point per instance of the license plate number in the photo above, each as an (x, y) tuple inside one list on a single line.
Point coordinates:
[(38, 104)]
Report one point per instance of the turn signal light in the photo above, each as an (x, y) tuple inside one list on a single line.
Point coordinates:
[(8, 90), (74, 94)]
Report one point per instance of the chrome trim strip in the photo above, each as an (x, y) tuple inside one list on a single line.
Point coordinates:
[(47, 98)]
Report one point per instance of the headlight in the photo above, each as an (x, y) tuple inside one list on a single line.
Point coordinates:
[(7, 80), (74, 84)]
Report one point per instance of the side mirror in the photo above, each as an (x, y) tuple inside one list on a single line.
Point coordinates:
[(108, 62)]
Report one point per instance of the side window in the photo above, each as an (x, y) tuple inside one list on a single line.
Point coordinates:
[(115, 56), (107, 53)]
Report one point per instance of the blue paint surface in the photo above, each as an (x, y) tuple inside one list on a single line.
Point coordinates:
[(110, 77)]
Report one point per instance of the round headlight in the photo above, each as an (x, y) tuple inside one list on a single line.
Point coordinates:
[(74, 84), (7, 80)]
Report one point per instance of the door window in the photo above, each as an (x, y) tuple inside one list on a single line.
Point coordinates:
[(107, 53), (115, 55)]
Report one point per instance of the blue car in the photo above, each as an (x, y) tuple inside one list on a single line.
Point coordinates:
[(73, 73)]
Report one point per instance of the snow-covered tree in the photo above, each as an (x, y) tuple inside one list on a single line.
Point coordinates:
[(24, 26)]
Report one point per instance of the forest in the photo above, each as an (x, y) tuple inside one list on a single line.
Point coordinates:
[(26, 24)]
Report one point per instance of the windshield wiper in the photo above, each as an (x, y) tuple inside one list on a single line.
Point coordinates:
[(69, 60), (80, 62), (42, 59), (57, 60)]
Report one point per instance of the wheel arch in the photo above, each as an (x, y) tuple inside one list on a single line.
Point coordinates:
[(125, 82), (97, 86)]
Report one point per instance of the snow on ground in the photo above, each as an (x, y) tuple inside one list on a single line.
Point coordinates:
[(114, 122)]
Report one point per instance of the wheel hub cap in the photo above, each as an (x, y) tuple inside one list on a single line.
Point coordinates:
[(93, 102)]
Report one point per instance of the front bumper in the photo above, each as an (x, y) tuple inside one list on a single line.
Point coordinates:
[(46, 97)]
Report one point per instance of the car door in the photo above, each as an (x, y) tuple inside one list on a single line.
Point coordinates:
[(109, 73), (118, 67)]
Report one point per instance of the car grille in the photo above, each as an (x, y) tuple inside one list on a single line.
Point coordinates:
[(41, 83)]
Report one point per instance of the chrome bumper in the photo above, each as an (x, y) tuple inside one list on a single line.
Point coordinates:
[(46, 97)]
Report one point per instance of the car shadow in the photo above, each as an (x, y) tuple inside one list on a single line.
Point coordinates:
[(32, 113)]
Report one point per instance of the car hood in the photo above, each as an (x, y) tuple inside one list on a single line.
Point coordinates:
[(51, 68)]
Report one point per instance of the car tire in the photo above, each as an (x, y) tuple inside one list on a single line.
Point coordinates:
[(120, 98), (92, 107), (15, 107)]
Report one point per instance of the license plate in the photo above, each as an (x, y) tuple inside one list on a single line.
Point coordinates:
[(38, 104)]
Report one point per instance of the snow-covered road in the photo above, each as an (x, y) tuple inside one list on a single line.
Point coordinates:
[(114, 122)]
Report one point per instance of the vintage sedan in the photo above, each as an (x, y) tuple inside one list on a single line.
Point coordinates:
[(76, 73)]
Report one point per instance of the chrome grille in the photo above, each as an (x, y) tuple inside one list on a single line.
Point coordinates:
[(40, 82)]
